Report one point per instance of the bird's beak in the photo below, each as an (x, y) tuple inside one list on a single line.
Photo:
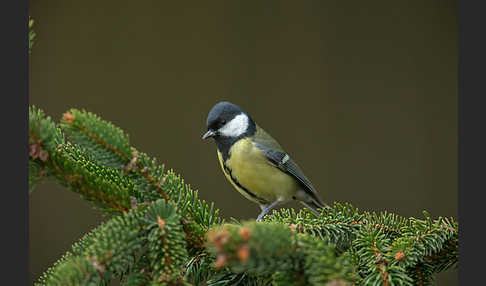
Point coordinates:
[(208, 134)]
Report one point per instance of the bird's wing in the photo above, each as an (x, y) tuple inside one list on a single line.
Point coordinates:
[(279, 158)]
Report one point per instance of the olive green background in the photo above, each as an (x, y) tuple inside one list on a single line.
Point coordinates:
[(362, 94)]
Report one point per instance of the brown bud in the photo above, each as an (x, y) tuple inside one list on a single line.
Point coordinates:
[(34, 150), (43, 155), (296, 228), (161, 222), (68, 117), (96, 264), (220, 261), (133, 162), (399, 255), (293, 227), (219, 238), (245, 233), (243, 252)]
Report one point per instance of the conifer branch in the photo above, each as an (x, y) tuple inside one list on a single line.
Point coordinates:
[(161, 233), (119, 244)]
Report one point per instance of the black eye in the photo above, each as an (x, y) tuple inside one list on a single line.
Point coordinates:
[(223, 122)]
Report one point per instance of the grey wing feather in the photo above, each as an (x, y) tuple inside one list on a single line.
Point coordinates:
[(283, 161), (277, 156)]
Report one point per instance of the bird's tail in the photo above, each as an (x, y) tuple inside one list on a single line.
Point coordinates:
[(315, 206)]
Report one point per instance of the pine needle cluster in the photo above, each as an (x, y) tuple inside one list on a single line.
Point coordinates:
[(160, 233)]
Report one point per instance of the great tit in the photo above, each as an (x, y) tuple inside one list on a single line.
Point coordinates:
[(254, 162)]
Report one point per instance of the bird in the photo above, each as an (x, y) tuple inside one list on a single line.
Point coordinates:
[(255, 163)]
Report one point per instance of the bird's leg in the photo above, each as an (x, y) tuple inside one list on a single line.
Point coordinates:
[(266, 209)]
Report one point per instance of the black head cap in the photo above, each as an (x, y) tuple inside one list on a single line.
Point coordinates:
[(222, 113)]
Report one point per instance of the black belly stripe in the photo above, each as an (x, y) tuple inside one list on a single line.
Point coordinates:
[(235, 181)]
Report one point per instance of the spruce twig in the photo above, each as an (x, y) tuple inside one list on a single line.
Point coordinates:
[(161, 233)]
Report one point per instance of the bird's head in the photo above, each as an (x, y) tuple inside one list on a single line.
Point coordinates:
[(228, 121)]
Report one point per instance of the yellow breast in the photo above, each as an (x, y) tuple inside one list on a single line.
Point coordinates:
[(248, 167)]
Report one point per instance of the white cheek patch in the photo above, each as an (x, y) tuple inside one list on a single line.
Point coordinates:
[(235, 127)]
